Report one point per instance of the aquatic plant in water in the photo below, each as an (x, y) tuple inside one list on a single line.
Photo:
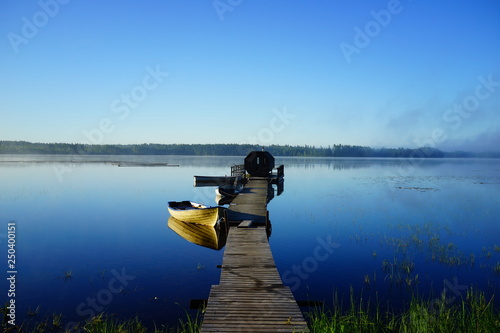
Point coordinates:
[(68, 275)]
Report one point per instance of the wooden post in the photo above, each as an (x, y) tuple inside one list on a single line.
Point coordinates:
[(226, 222), (267, 220)]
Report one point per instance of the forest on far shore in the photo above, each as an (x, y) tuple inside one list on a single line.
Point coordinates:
[(336, 150)]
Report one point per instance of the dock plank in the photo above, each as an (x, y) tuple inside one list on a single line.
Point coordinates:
[(250, 203), (250, 296)]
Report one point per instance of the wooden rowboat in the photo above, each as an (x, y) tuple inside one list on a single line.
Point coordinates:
[(214, 180), (193, 212), (203, 235)]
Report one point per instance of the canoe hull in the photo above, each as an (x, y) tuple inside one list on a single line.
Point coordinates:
[(203, 235), (204, 215)]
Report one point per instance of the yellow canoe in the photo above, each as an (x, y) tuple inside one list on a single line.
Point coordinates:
[(199, 234), (193, 212)]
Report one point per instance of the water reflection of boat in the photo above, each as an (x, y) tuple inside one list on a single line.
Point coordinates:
[(221, 200), (193, 212), (213, 237), (224, 195), (227, 191)]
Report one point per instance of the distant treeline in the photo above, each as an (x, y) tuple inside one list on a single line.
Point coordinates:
[(23, 147)]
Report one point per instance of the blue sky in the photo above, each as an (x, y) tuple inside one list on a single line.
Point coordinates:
[(374, 73)]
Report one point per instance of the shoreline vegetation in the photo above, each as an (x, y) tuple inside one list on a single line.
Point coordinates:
[(337, 150), (475, 312)]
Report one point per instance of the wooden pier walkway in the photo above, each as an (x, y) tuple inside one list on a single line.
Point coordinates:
[(250, 204), (251, 296)]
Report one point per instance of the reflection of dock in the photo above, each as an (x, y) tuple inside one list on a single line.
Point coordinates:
[(251, 296)]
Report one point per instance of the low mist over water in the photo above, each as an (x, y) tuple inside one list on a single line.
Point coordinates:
[(92, 235)]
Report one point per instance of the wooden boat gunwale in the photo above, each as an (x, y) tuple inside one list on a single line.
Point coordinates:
[(193, 212)]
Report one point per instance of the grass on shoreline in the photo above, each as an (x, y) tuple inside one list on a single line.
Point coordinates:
[(474, 313), (102, 323)]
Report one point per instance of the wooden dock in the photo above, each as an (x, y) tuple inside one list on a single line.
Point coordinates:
[(251, 296), (250, 204)]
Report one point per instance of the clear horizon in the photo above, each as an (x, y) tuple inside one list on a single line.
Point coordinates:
[(370, 73)]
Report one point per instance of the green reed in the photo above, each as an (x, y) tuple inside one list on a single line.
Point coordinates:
[(101, 323), (474, 313)]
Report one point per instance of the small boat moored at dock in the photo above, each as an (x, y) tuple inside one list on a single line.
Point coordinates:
[(199, 234), (215, 180), (193, 212)]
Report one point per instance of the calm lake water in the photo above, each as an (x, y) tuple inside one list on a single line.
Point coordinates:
[(387, 228)]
